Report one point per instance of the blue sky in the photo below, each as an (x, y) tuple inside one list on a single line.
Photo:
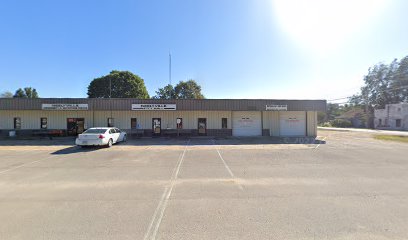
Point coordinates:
[(234, 48)]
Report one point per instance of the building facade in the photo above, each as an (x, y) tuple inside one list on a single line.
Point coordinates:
[(392, 117), (148, 117)]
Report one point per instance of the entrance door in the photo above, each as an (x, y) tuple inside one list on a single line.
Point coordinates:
[(202, 126), (156, 126), (75, 126)]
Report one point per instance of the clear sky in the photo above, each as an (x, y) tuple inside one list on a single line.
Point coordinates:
[(310, 49)]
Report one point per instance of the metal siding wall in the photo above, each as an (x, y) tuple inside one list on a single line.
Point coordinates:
[(144, 118), (30, 119), (311, 124), (271, 122), (186, 105)]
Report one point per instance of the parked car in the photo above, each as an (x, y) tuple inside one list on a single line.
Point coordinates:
[(104, 136)]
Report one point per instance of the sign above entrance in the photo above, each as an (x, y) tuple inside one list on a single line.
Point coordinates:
[(276, 107), (143, 107), (64, 106)]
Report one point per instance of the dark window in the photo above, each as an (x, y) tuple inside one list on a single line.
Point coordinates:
[(133, 123), (17, 123), (380, 122), (179, 122), (117, 130), (398, 123), (43, 123), (224, 123), (112, 131), (110, 122)]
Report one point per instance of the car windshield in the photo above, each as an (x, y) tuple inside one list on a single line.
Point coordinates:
[(95, 131)]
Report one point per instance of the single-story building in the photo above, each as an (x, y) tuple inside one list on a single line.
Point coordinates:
[(392, 117), (211, 117)]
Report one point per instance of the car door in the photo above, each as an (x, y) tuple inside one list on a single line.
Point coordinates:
[(115, 135), (120, 134)]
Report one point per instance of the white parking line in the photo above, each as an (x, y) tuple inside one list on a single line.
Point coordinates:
[(161, 207), (318, 145), (227, 167), (23, 165)]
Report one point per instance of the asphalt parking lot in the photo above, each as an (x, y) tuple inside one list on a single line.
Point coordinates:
[(347, 186)]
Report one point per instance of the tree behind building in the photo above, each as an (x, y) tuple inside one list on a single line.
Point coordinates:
[(118, 84)]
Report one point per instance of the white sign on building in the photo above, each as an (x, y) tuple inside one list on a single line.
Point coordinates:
[(64, 106), (276, 107), (144, 107)]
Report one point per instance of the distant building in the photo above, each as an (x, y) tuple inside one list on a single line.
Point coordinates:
[(356, 116), (393, 117)]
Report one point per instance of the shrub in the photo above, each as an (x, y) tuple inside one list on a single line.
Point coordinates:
[(341, 123), (326, 124)]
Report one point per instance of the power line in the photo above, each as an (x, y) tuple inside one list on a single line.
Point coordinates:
[(386, 90)]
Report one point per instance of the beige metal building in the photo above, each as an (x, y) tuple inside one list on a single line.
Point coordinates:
[(211, 117)]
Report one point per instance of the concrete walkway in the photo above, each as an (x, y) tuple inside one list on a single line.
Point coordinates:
[(387, 132)]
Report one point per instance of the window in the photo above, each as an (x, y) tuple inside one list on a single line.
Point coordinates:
[(95, 131), (224, 123), (43, 123), (112, 131), (398, 122), (110, 122), (179, 122), (379, 122), (386, 122), (117, 130), (17, 123), (133, 123)]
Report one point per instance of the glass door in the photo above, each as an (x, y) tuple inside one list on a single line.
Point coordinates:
[(202, 126), (156, 126)]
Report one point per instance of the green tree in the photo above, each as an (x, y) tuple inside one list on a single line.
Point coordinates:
[(118, 84), (6, 94), (165, 93), (183, 90), (384, 84), (28, 92), (188, 90), (20, 94)]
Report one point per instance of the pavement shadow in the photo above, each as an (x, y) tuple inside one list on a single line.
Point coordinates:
[(76, 149), (222, 141)]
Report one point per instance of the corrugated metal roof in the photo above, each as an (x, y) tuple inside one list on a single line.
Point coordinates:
[(124, 104)]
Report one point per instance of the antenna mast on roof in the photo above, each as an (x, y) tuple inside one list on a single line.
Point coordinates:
[(169, 68)]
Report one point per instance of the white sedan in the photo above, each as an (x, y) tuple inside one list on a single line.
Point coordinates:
[(104, 136)]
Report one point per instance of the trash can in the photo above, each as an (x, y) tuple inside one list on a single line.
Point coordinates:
[(12, 133)]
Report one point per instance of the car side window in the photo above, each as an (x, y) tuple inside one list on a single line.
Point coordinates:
[(112, 131), (117, 130)]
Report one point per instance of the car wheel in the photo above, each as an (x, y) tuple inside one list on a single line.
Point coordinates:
[(110, 143)]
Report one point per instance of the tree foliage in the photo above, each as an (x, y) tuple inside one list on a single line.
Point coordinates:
[(118, 84), (6, 94), (384, 84), (183, 90), (166, 93), (28, 92)]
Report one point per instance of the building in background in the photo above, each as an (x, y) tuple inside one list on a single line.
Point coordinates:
[(392, 117), (151, 117)]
